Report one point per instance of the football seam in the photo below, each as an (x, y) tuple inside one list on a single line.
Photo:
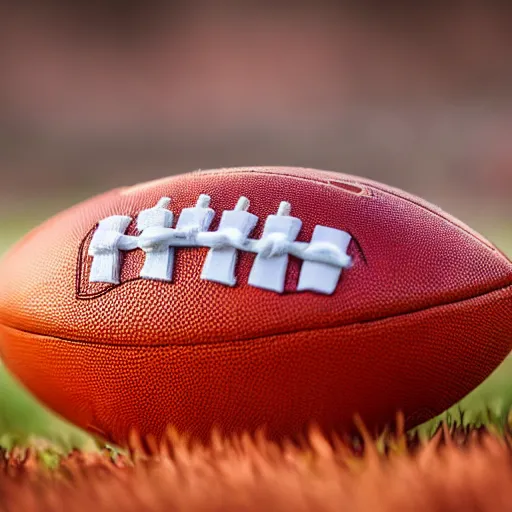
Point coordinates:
[(324, 255), (81, 271), (506, 289)]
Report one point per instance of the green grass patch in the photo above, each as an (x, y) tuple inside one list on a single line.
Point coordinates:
[(23, 419)]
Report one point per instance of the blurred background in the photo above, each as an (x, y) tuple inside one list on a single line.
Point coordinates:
[(100, 94)]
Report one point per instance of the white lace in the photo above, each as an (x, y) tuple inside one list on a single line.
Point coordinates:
[(323, 258)]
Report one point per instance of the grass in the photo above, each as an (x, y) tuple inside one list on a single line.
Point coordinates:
[(490, 403), (23, 419), (456, 470)]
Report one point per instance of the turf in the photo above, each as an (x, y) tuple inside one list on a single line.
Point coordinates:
[(456, 470)]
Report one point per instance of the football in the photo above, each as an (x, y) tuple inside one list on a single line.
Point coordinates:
[(248, 298)]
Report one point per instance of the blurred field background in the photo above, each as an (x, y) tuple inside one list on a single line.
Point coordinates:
[(100, 94)]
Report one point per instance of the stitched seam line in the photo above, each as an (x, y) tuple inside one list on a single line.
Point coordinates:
[(507, 287), (173, 238), (326, 252)]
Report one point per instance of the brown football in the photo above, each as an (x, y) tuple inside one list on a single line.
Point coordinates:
[(253, 297)]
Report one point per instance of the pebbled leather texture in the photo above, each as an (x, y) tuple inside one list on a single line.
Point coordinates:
[(420, 363), (199, 353)]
